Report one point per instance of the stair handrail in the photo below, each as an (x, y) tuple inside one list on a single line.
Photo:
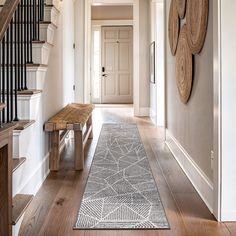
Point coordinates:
[(6, 15)]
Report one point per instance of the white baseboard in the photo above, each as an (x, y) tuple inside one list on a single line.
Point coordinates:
[(153, 116), (34, 182), (199, 180), (142, 111), (228, 216)]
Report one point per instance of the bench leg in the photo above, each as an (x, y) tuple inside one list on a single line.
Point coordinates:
[(90, 123), (54, 150), (79, 150)]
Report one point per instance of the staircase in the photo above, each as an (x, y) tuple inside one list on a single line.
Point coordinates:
[(27, 30)]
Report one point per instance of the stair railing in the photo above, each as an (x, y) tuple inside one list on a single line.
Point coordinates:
[(19, 26)]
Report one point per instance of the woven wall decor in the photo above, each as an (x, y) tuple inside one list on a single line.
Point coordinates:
[(181, 7), (184, 66), (196, 21), (173, 29)]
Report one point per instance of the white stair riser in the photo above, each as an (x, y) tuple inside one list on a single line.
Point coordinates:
[(47, 32), (40, 53), (28, 106), (36, 77), (16, 228), (51, 14)]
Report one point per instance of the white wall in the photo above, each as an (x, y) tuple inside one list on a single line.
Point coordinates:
[(227, 43), (79, 13), (157, 95), (58, 86), (68, 51)]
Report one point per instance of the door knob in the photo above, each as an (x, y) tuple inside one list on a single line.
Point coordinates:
[(104, 75)]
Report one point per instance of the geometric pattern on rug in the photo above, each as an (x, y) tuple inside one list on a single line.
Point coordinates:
[(120, 192)]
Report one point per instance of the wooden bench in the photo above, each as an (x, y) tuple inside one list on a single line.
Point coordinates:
[(76, 117)]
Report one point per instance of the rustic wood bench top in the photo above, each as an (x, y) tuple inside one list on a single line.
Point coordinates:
[(72, 117)]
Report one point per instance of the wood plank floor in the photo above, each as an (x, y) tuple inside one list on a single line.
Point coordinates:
[(54, 209)]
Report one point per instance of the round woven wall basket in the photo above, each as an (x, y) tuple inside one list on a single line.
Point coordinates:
[(181, 7), (196, 21), (184, 67), (173, 28)]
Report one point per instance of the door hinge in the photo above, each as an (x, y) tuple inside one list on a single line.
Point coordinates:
[(74, 45), (212, 159), (74, 87)]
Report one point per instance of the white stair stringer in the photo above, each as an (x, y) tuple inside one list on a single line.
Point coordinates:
[(35, 76), (41, 52), (51, 14), (28, 105), (28, 142), (47, 30)]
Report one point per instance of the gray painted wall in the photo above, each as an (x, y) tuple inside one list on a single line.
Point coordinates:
[(192, 124)]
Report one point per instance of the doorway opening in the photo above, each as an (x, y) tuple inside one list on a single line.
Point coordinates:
[(112, 55)]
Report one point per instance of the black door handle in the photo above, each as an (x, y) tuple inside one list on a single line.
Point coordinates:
[(104, 75)]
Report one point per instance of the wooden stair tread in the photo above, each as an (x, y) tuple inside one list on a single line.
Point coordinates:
[(8, 126), (2, 105), (23, 124), (29, 92), (35, 65), (52, 6), (41, 42), (48, 23), (19, 205), (17, 162)]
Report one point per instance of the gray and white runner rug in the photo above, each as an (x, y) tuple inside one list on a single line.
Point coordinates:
[(120, 192)]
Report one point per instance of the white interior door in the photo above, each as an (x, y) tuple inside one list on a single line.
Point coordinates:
[(117, 64)]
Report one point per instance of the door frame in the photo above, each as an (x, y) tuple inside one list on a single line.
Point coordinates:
[(98, 24)]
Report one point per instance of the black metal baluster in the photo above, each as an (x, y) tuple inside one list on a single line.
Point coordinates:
[(7, 75), (27, 30), (25, 45), (16, 64), (3, 76), (18, 49), (42, 10), (30, 9), (38, 18), (11, 70), (0, 81), (21, 46), (34, 20)]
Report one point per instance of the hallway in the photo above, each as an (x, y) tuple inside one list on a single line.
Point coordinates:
[(54, 209)]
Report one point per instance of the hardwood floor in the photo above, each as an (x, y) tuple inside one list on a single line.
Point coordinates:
[(54, 209)]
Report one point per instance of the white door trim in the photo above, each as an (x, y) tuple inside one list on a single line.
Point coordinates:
[(217, 110), (136, 61)]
